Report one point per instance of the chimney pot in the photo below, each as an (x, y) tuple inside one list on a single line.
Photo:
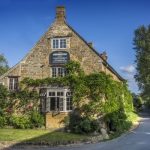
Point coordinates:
[(60, 14), (90, 44), (104, 56)]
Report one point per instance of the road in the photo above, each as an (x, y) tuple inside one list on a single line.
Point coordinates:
[(138, 139)]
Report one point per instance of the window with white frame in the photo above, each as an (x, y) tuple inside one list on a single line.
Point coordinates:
[(59, 101), (58, 72), (13, 83), (69, 101), (59, 43)]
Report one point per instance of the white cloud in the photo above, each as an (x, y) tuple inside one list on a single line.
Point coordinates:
[(128, 69), (128, 73)]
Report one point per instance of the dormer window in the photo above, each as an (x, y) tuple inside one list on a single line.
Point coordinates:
[(59, 43)]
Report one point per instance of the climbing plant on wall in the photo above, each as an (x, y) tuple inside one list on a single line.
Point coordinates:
[(94, 95)]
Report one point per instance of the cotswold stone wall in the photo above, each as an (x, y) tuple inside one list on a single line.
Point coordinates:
[(53, 120), (30, 66)]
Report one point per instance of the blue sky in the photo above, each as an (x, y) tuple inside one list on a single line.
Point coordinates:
[(109, 24)]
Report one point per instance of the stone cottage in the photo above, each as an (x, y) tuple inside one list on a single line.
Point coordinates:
[(56, 47)]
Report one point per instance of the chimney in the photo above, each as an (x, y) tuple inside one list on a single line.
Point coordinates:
[(60, 14), (90, 44), (104, 55)]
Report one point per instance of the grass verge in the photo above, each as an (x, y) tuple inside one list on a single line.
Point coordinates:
[(39, 136)]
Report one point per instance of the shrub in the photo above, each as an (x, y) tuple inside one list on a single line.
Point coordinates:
[(20, 122), (3, 121), (74, 121), (117, 121), (79, 124), (36, 119), (85, 125), (138, 102)]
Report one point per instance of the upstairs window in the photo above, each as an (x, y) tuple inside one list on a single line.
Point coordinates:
[(59, 43), (13, 83), (58, 72)]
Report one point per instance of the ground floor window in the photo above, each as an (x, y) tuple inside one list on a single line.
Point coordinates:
[(69, 103), (56, 104), (13, 83), (58, 100)]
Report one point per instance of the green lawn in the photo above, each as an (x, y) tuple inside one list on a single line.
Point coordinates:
[(39, 136)]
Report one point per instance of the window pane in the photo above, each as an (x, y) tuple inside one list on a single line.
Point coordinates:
[(54, 72), (62, 93), (51, 93), (69, 94), (58, 72), (55, 43), (69, 103), (62, 43), (58, 93), (60, 104), (13, 83), (52, 103)]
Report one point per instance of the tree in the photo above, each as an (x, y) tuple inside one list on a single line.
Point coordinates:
[(142, 49), (137, 101), (3, 64)]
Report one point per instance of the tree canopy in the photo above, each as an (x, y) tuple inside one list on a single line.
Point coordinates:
[(142, 49), (3, 64)]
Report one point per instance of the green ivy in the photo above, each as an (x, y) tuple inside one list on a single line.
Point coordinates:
[(95, 94)]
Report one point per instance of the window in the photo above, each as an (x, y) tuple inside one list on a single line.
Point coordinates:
[(56, 104), (62, 43), (51, 93), (13, 83), (55, 43), (60, 93), (59, 43), (69, 101), (58, 100), (58, 72)]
